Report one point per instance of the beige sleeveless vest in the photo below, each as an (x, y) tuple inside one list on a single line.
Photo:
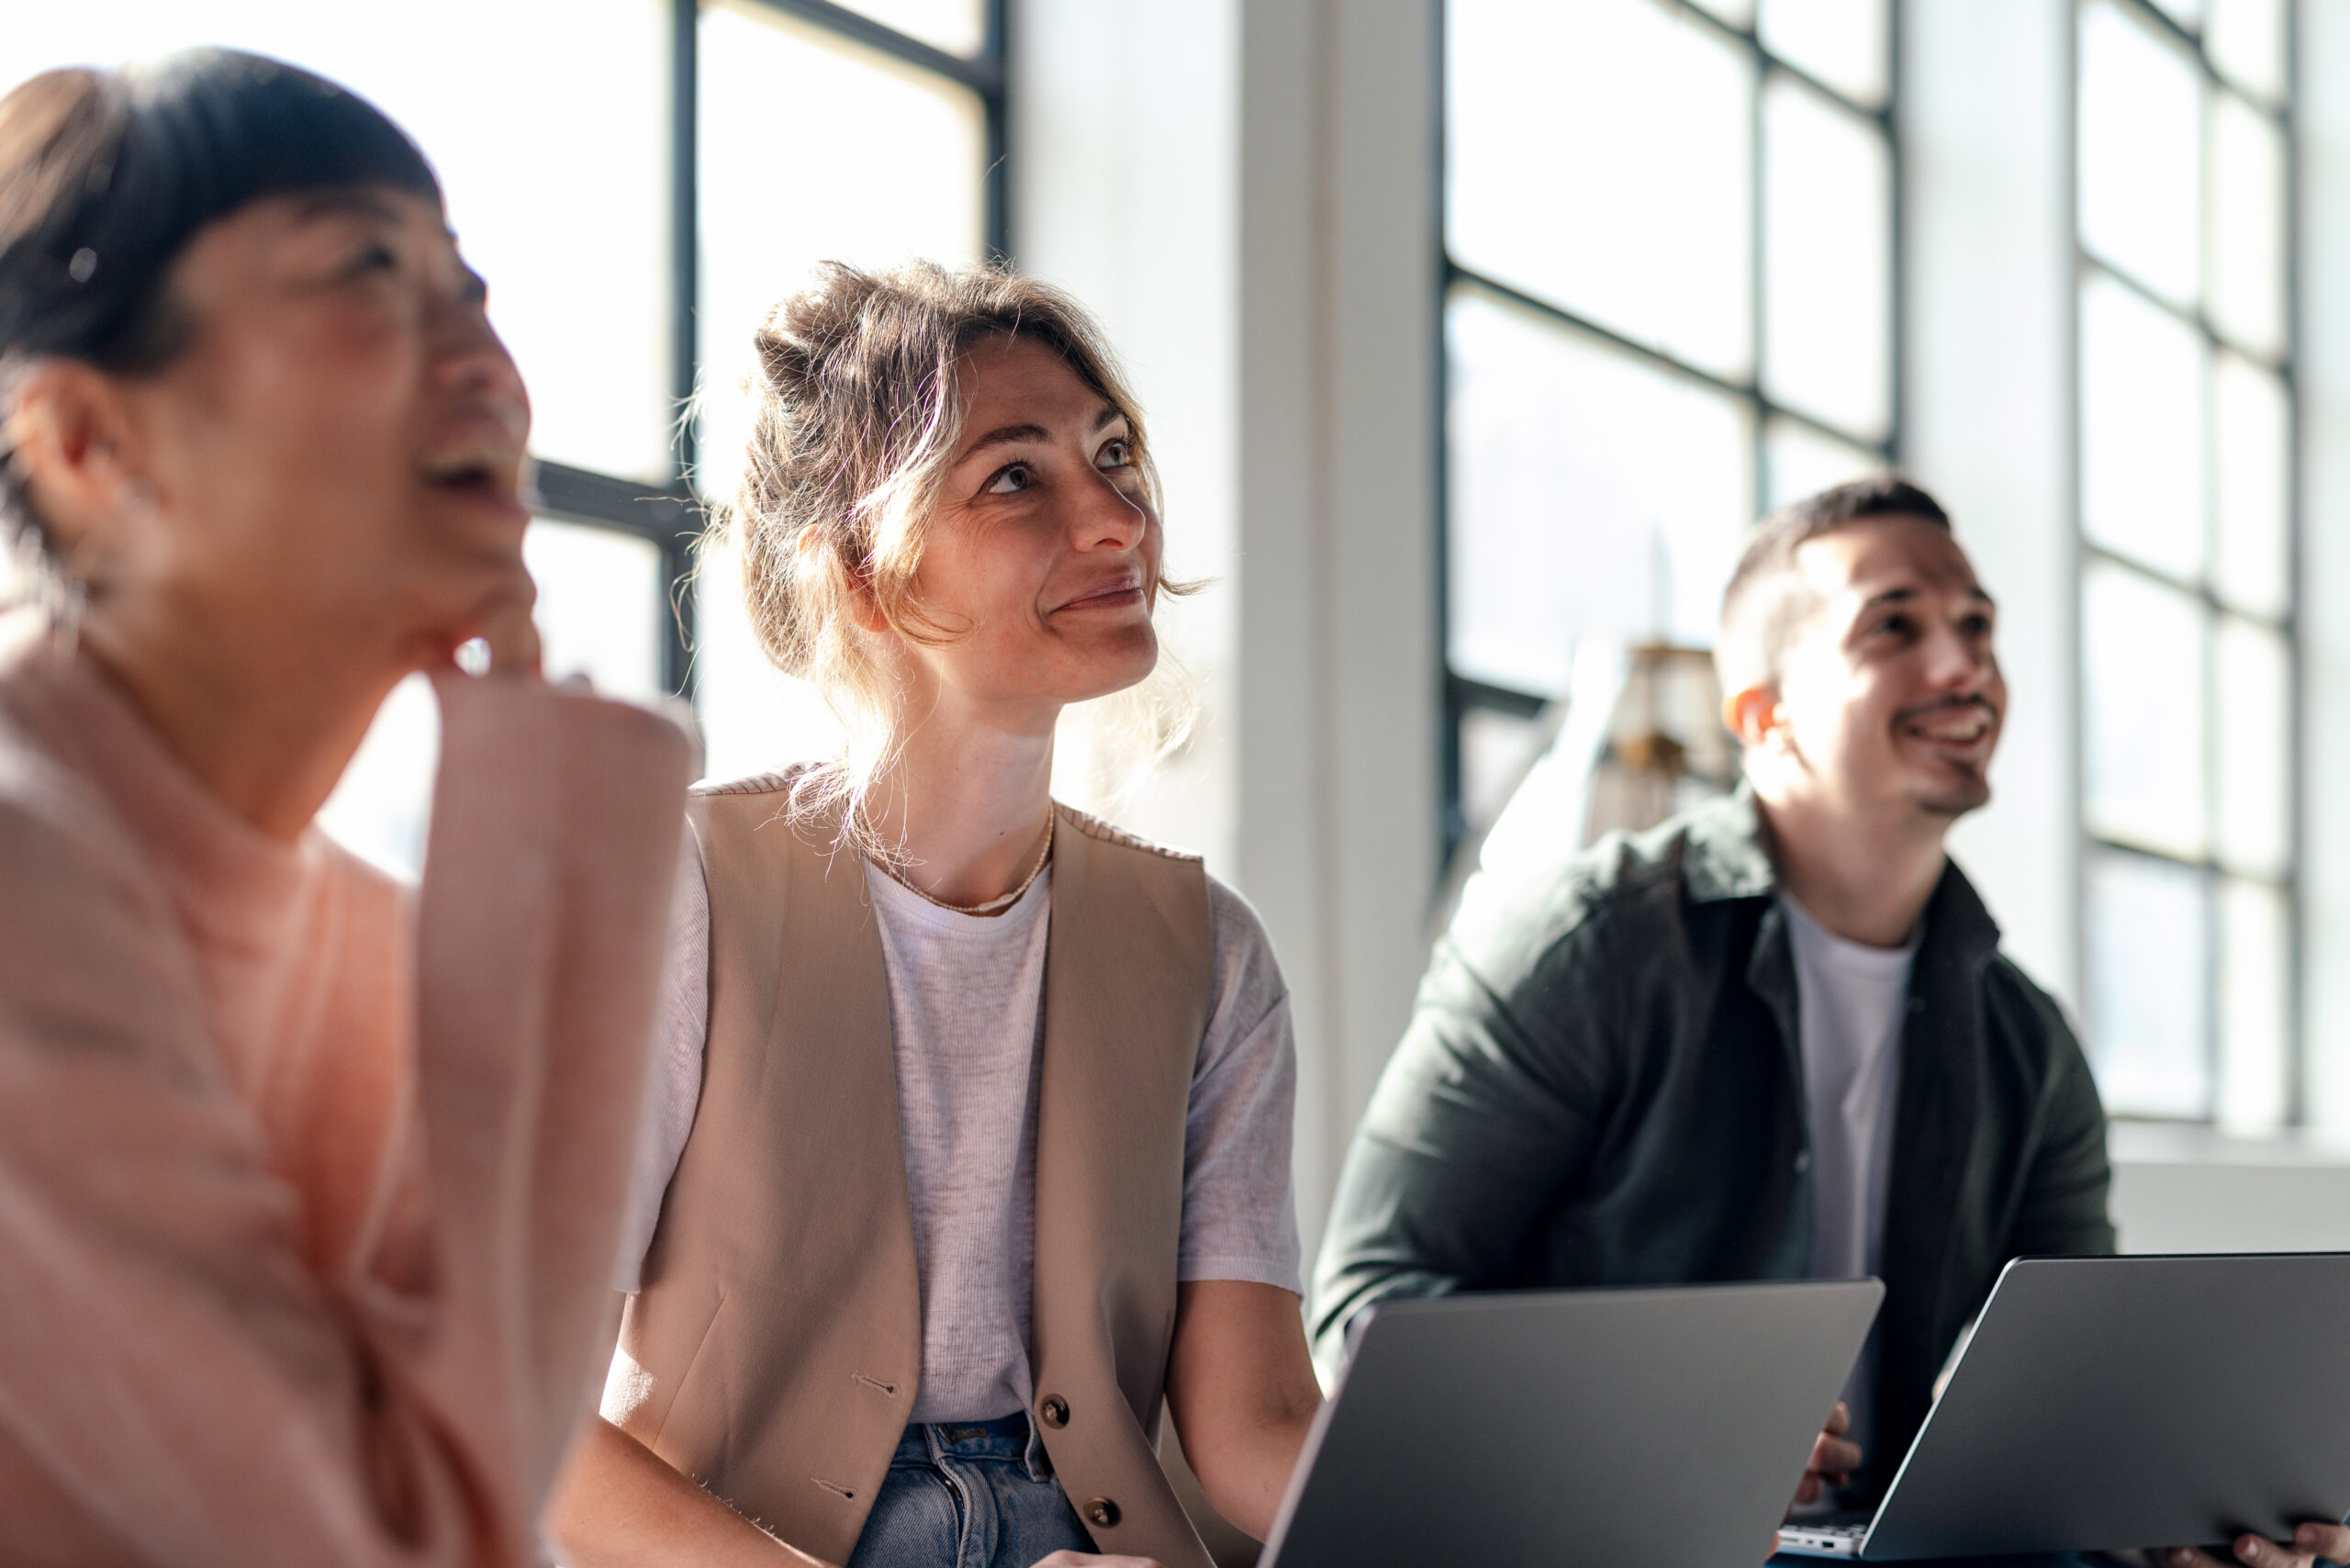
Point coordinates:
[(779, 1325)]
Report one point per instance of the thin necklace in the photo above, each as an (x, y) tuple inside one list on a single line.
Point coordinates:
[(994, 905)]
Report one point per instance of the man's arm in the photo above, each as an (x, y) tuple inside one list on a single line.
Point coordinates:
[(1483, 1113), (2064, 1212)]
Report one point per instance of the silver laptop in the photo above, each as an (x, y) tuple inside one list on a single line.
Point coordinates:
[(2105, 1403), (1562, 1426)]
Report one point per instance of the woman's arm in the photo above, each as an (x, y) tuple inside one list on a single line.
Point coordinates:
[(619, 1506), (186, 1387), (1241, 1387)]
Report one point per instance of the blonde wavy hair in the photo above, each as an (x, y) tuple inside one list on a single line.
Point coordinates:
[(855, 422)]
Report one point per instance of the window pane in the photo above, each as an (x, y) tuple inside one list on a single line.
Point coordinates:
[(1495, 751), (2253, 424), (1799, 461), (958, 27), (2254, 714), (1598, 159), (2254, 974), (549, 122), (855, 159), (753, 717), (2141, 429), (1828, 236), (382, 804), (1591, 495), (2141, 649), (2247, 226), (1841, 42), (2140, 152), (602, 604), (2145, 936), (2246, 40)]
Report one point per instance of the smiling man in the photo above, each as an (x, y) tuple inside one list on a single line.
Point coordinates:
[(1772, 1038)]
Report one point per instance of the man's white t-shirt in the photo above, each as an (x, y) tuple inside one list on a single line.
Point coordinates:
[(966, 1021), (1853, 1001)]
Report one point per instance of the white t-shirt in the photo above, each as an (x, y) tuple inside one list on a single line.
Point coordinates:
[(965, 1019), (1852, 1000)]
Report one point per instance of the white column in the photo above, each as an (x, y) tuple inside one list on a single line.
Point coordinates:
[(1246, 192), (2325, 353), (1339, 694), (1123, 169), (1988, 242)]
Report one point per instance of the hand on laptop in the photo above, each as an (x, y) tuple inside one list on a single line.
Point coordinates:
[(2310, 1541), (1834, 1457)]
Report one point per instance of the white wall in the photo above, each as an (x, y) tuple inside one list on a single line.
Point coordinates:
[(1988, 324), (1247, 194)]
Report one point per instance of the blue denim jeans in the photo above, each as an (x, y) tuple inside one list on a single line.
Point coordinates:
[(975, 1494)]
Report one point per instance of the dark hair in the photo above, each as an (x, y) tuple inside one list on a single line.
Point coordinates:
[(106, 176), (1757, 614)]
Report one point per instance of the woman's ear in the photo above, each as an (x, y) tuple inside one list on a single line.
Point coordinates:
[(69, 436), (865, 609)]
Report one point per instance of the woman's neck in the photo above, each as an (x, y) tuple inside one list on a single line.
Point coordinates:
[(966, 804), (268, 733)]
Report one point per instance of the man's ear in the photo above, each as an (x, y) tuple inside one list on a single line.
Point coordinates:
[(1751, 712), (68, 435)]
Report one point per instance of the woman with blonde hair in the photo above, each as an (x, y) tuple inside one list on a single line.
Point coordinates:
[(975, 1110), (308, 1187)]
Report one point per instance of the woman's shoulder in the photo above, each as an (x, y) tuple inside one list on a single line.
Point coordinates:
[(1111, 833), (777, 781), (57, 827)]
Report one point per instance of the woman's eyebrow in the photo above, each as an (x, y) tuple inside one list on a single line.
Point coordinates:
[(1004, 436), (1007, 435), (345, 202)]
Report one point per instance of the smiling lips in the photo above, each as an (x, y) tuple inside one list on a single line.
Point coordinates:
[(488, 470), (1961, 726), (1115, 595)]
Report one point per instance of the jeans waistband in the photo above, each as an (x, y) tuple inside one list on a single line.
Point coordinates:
[(1006, 1437)]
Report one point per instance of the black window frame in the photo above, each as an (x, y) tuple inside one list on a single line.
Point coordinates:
[(2210, 865), (669, 514), (1463, 695)]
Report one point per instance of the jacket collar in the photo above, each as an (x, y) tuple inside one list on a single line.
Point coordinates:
[(1728, 856)]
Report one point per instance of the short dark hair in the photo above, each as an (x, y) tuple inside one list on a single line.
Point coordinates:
[(106, 176), (1759, 615)]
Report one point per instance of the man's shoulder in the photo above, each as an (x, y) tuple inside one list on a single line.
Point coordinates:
[(2023, 1008), (1626, 890)]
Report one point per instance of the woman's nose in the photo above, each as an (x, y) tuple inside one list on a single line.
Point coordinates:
[(1109, 519)]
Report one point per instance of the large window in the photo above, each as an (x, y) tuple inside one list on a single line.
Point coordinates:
[(639, 180), (1670, 304), (2187, 526)]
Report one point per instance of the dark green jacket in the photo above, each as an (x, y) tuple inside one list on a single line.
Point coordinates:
[(1601, 1085)]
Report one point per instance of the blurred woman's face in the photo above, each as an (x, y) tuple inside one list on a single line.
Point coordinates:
[(1044, 551), (337, 452)]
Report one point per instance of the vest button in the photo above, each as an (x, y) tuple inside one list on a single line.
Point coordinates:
[(1054, 1409), (1101, 1511)]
